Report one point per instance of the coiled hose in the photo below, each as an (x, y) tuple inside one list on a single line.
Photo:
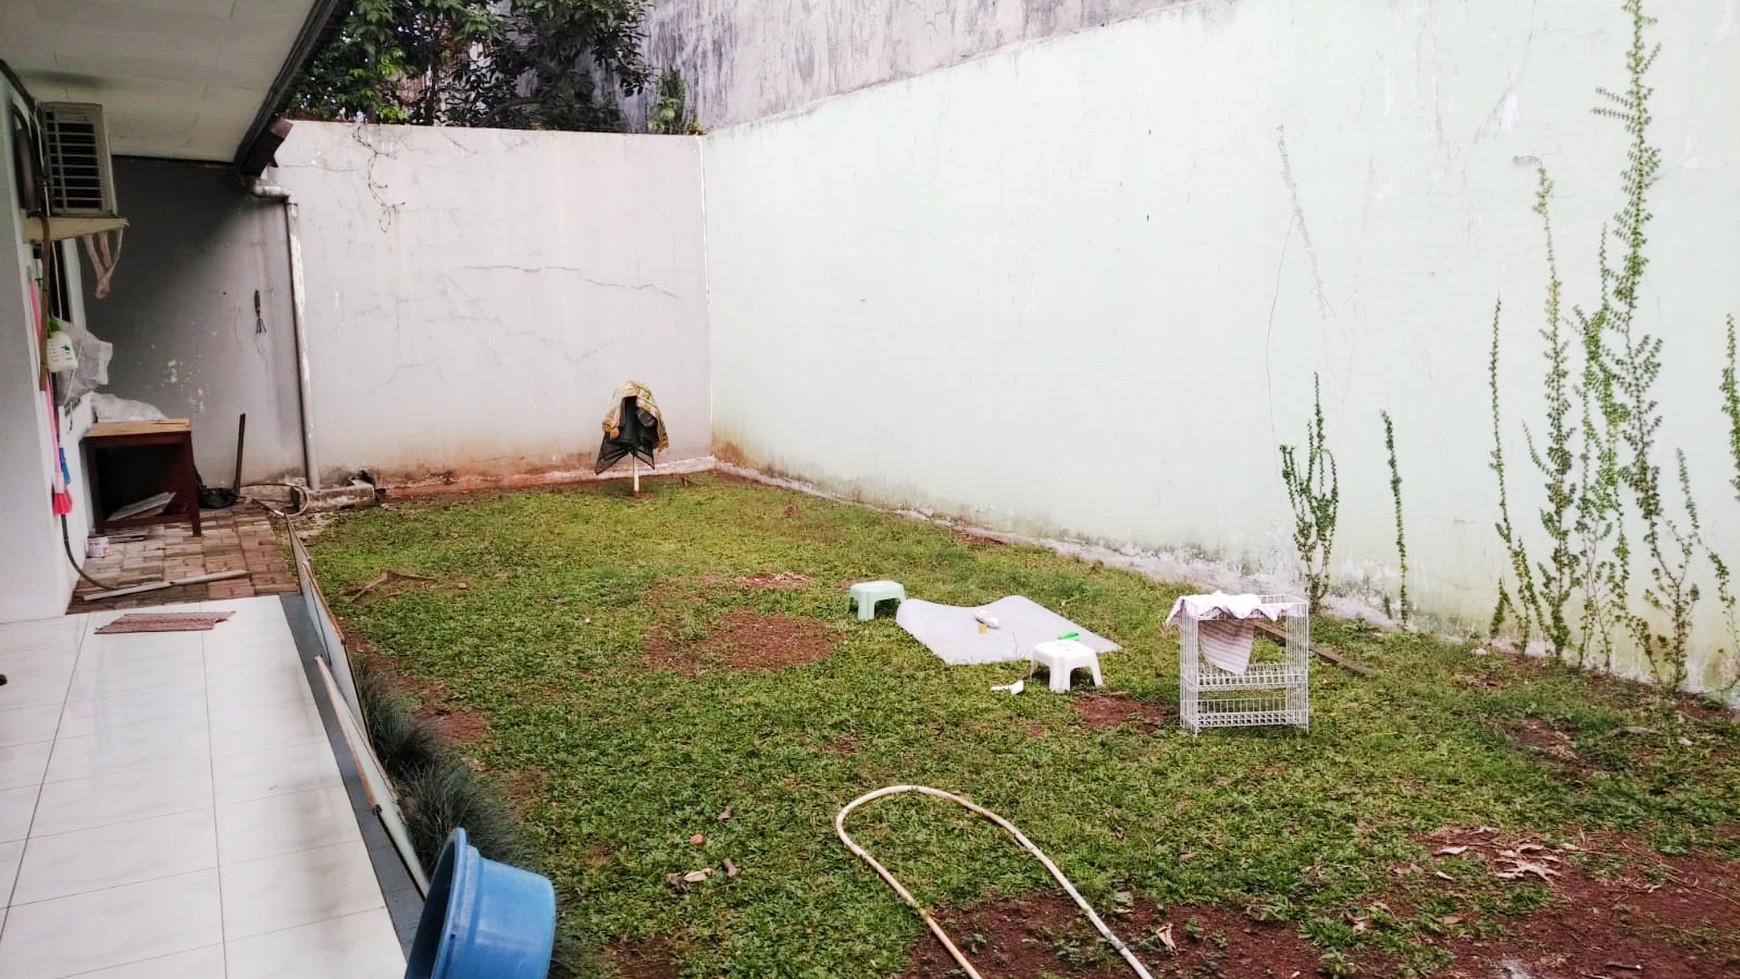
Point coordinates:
[(1021, 838)]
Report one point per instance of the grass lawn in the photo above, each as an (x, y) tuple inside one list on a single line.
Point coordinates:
[(619, 665)]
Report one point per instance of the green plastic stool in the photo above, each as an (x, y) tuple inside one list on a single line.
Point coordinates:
[(868, 593)]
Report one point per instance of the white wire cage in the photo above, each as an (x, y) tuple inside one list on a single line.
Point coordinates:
[(1275, 688)]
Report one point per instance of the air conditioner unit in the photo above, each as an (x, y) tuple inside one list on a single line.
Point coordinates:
[(81, 182)]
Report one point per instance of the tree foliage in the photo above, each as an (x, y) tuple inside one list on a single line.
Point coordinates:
[(522, 64)]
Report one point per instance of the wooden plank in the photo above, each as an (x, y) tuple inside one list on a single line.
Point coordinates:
[(97, 596), (1319, 650), (149, 426), (69, 227)]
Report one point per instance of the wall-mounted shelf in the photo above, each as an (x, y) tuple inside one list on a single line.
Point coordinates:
[(64, 228)]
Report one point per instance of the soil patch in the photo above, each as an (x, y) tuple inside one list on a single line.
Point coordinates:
[(523, 787), (1112, 709), (643, 960), (746, 640), (1618, 910), (454, 724), (773, 579), (1544, 739), (1047, 935)]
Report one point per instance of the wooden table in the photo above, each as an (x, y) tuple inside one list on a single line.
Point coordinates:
[(126, 462)]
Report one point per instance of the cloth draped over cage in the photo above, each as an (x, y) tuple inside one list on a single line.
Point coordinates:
[(632, 427), (1224, 630)]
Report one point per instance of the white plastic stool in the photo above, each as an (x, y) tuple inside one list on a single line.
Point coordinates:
[(866, 595), (1062, 657)]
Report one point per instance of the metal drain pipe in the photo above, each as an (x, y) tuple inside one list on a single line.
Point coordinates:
[(298, 317)]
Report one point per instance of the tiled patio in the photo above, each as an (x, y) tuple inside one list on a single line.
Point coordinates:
[(170, 806), (241, 538)]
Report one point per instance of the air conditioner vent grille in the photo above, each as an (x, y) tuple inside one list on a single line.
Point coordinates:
[(80, 180)]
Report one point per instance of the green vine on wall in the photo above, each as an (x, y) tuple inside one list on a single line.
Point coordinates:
[(1315, 495), (1604, 464), (1635, 363), (1404, 610), (1730, 389), (1519, 599), (1555, 460)]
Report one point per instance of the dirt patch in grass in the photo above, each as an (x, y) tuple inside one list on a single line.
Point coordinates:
[(1046, 934), (1098, 710), (523, 787), (1678, 918), (454, 724), (773, 579), (1616, 907), (746, 640), (1538, 735), (642, 960)]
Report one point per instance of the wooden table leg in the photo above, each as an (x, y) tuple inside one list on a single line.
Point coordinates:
[(190, 480)]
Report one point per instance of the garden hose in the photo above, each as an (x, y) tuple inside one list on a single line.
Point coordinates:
[(923, 912)]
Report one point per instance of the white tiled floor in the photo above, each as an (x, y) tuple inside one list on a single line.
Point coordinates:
[(170, 807)]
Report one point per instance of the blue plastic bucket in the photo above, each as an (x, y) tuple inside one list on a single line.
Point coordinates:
[(483, 920)]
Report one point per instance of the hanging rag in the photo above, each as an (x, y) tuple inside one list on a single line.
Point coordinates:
[(632, 426), (1224, 631)]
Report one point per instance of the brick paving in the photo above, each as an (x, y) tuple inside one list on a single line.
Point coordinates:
[(241, 538)]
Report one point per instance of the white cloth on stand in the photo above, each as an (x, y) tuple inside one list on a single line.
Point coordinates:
[(1223, 632)]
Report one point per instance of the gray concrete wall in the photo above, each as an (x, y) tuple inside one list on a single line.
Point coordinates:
[(747, 59), (475, 296), (182, 314)]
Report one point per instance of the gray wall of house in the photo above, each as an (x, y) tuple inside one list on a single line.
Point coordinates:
[(198, 254), (474, 296), (747, 59)]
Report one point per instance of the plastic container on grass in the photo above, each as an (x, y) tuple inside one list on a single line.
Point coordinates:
[(483, 920)]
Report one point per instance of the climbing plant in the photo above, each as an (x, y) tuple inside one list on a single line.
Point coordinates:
[(1634, 359), (1555, 459), (1730, 389), (1519, 599), (1403, 610), (1601, 468), (1315, 494)]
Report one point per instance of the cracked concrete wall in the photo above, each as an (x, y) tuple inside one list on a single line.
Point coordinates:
[(475, 296), (748, 59), (199, 314), (1081, 287)]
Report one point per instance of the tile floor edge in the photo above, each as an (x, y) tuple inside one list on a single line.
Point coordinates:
[(404, 902)]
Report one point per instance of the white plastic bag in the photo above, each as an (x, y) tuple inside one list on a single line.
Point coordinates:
[(109, 408)]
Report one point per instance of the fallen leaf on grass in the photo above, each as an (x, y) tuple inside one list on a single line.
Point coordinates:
[(1450, 851), (1522, 868), (697, 876), (724, 814), (731, 868), (1165, 936), (1444, 875), (1186, 857), (697, 840)]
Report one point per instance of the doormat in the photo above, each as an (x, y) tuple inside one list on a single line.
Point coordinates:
[(164, 622)]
